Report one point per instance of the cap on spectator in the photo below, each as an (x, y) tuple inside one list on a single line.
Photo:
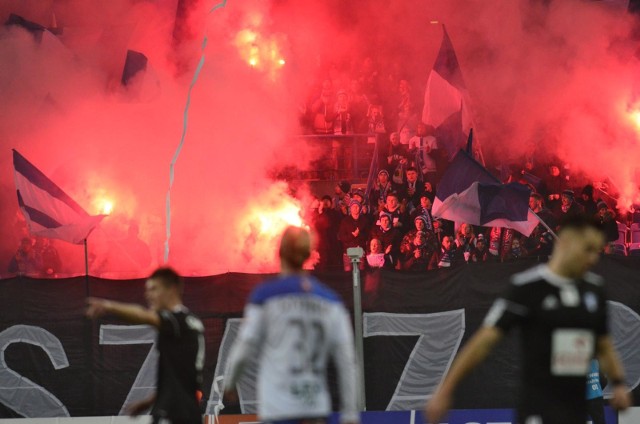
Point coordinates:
[(422, 218), (355, 202), (588, 190), (602, 205), (568, 193), (345, 186), (387, 214), (358, 192), (480, 236), (383, 171), (326, 197)]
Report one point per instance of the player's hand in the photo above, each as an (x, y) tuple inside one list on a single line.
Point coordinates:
[(437, 407), (230, 397), (621, 399), (96, 307), (141, 407)]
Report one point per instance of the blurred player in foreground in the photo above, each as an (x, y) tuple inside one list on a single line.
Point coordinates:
[(180, 345), (561, 310), (292, 325)]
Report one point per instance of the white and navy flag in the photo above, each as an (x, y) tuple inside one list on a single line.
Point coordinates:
[(468, 193), (446, 104), (49, 211)]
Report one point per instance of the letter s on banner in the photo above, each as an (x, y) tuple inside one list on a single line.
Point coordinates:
[(25, 397)]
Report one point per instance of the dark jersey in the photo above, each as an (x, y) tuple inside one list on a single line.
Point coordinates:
[(181, 349), (560, 320)]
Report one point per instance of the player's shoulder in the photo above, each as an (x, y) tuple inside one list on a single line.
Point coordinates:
[(594, 279), (528, 277), (292, 285)]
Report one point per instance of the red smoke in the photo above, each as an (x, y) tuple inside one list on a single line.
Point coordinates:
[(557, 80)]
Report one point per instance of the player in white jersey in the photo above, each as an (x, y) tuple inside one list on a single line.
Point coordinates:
[(293, 324)]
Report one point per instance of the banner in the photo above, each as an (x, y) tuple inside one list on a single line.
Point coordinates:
[(56, 363)]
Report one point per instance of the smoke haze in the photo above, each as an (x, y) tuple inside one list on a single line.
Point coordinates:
[(545, 81)]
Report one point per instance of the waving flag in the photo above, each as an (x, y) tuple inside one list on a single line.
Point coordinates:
[(49, 211), (445, 104), (469, 193)]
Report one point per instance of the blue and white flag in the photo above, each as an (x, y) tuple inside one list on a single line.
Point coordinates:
[(49, 211), (469, 193), (446, 105)]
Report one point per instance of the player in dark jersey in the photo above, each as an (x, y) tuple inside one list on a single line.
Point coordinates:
[(561, 309), (180, 346)]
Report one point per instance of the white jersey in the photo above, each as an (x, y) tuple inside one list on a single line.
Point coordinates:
[(293, 324)]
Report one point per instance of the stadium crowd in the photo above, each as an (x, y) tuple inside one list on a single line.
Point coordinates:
[(392, 219)]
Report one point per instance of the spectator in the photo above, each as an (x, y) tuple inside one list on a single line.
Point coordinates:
[(48, 255), (410, 191), (430, 191), (381, 188), (447, 253), (568, 206), (326, 221), (358, 195), (419, 258), (422, 148), (394, 208), (397, 160), (517, 251), (322, 109), (606, 217), (359, 104), (377, 257), (388, 236), (341, 197), (465, 238), (353, 232), (480, 253), (375, 123), (424, 210), (25, 261), (587, 202), (554, 184), (535, 243)]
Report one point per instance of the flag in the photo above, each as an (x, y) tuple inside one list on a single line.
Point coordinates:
[(469, 193), (49, 211), (445, 104)]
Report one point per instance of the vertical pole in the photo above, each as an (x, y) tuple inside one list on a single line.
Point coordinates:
[(357, 321), (86, 260), (355, 157)]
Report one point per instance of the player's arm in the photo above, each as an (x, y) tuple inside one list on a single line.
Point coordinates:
[(130, 312), (247, 346), (611, 365), (473, 353)]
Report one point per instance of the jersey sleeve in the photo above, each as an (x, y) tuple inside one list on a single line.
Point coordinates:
[(508, 310), (247, 345), (344, 356)]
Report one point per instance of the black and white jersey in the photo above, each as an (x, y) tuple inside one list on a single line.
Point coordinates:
[(561, 320), (181, 358), (293, 325)]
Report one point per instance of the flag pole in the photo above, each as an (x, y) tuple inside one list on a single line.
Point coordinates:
[(86, 260), (540, 220)]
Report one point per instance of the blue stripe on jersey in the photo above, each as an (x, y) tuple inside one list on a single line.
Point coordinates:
[(290, 285)]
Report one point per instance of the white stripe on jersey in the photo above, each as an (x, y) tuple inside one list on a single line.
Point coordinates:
[(498, 309)]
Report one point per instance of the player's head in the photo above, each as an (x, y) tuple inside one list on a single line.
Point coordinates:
[(580, 242), (163, 289), (295, 248)]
